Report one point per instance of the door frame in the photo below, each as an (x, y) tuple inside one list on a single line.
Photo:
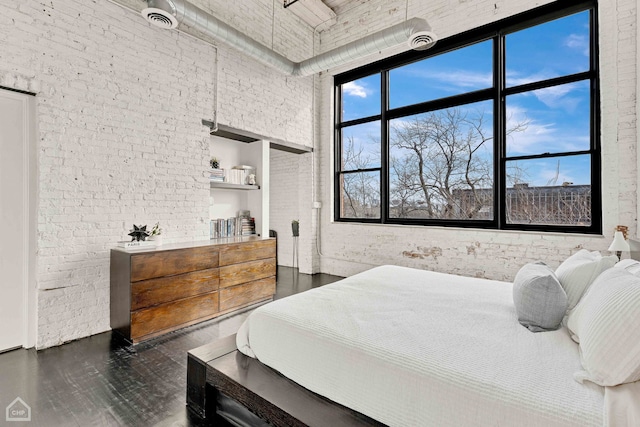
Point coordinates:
[(29, 210)]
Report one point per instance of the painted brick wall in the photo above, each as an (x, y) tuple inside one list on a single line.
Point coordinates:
[(291, 198), (119, 109), (120, 140), (283, 201), (350, 248)]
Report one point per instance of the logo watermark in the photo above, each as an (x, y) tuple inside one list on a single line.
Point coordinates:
[(18, 410)]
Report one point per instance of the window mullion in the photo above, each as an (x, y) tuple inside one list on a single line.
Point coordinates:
[(337, 158), (384, 147), (499, 148), (596, 165)]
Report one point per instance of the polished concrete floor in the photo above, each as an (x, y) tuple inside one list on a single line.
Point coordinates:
[(103, 381)]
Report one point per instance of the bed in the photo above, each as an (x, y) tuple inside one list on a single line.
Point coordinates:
[(400, 347)]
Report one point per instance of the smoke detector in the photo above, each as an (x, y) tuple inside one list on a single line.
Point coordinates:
[(422, 40), (160, 18)]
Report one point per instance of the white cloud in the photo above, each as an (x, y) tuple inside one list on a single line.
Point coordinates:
[(354, 89), (559, 97), (462, 78), (555, 97), (532, 138), (539, 137), (514, 78), (578, 42), (451, 80)]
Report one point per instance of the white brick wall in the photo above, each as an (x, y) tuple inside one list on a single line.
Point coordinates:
[(283, 201), (349, 248), (119, 110), (291, 198)]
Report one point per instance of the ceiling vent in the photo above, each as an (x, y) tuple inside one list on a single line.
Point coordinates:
[(421, 40), (160, 18)]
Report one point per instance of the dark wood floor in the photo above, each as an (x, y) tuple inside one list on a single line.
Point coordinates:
[(103, 381)]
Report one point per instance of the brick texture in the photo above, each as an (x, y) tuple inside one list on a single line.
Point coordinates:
[(283, 201), (120, 141)]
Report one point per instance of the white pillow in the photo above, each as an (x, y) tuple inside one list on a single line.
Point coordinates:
[(538, 297), (578, 271), (607, 325), (631, 265)]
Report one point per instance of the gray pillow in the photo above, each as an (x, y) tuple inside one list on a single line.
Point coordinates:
[(540, 300)]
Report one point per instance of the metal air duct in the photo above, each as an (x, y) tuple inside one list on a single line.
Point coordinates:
[(198, 23), (393, 36)]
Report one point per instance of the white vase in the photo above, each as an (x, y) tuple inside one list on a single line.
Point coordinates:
[(157, 238)]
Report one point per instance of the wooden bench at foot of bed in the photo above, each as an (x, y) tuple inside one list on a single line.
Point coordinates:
[(224, 383)]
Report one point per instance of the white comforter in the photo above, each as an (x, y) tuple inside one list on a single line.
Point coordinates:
[(417, 348)]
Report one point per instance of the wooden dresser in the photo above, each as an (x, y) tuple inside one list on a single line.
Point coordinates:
[(160, 290)]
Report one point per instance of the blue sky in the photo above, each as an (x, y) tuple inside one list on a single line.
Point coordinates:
[(557, 119)]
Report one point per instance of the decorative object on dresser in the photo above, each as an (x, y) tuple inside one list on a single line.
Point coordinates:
[(156, 234), (160, 290), (137, 244), (138, 233), (139, 236)]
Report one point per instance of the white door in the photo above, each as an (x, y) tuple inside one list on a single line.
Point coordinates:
[(14, 218)]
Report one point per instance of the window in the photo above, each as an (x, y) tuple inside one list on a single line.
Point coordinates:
[(493, 128)]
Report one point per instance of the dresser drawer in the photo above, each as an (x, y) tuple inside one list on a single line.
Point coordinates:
[(231, 275), (248, 251), (247, 293), (147, 293), (164, 263), (173, 315)]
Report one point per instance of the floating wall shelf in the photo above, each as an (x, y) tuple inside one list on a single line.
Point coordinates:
[(229, 132), (229, 186)]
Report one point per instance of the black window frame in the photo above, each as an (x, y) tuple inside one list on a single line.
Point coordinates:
[(498, 93)]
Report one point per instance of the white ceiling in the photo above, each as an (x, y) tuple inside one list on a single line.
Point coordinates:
[(336, 4), (319, 14)]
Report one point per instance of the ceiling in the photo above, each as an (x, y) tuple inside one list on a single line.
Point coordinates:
[(319, 14), (337, 4)]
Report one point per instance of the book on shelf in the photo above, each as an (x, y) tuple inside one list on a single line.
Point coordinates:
[(241, 225), (216, 175), (248, 226), (236, 176)]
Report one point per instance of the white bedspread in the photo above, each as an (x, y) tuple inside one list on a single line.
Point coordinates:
[(417, 348)]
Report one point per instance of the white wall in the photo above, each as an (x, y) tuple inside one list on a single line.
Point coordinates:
[(120, 140), (291, 198), (350, 248), (284, 201)]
